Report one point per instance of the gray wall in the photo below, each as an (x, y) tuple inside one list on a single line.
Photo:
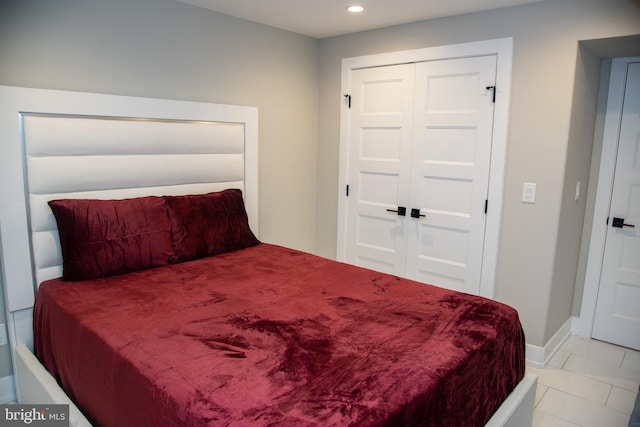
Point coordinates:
[(540, 244), (167, 49), (577, 166)]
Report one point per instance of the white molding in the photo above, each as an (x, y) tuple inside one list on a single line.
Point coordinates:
[(604, 190), (7, 390), (575, 324), (503, 49), (538, 357)]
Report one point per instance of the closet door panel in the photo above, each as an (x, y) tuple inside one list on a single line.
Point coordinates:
[(453, 122), (379, 167)]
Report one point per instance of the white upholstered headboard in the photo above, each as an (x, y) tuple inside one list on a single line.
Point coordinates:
[(76, 145)]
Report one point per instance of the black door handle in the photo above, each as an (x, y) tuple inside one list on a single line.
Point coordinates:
[(619, 223), (401, 211), (415, 213)]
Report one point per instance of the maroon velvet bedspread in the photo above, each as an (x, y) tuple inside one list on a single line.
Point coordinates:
[(272, 336)]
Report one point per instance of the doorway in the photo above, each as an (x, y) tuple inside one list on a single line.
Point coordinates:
[(611, 300)]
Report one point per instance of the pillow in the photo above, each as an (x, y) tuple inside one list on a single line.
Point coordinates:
[(208, 224), (106, 237)]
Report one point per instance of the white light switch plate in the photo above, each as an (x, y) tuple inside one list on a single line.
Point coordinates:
[(529, 192)]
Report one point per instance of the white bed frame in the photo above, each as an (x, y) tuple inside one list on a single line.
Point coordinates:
[(56, 144)]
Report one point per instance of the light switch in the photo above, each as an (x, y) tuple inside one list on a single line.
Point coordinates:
[(529, 192)]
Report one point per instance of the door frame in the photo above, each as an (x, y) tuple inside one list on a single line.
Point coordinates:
[(503, 49), (604, 190)]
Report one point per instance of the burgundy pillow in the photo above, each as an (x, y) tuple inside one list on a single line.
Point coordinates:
[(106, 237), (208, 224)]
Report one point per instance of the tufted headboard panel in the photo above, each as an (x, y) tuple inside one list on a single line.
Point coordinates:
[(115, 158)]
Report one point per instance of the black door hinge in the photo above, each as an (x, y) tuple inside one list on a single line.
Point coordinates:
[(494, 92), (347, 99)]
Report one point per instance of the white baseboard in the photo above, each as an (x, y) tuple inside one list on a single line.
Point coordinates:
[(538, 357), (7, 390)]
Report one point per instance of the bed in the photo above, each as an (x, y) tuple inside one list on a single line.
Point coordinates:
[(238, 332)]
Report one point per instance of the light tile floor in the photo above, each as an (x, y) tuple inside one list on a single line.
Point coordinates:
[(588, 383)]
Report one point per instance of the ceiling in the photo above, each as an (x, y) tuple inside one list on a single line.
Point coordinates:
[(328, 18)]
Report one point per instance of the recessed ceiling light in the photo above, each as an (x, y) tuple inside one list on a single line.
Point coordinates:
[(355, 8)]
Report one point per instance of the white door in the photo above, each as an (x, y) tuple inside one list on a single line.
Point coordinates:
[(617, 317), (420, 142), (453, 123), (379, 167)]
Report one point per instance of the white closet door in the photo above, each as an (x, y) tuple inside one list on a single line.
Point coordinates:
[(420, 139), (453, 122), (379, 167), (617, 316)]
